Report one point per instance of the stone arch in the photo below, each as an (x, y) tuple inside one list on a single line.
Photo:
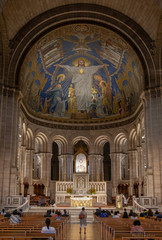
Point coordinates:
[(84, 139), (62, 143), (139, 134), (108, 18), (119, 140), (121, 148), (143, 130), (59, 150), (102, 146), (24, 129), (43, 141), (99, 143), (133, 139), (29, 138)]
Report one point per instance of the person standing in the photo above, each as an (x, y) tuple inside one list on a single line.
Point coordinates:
[(83, 220)]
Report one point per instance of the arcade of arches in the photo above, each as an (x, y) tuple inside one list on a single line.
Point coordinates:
[(80, 100)]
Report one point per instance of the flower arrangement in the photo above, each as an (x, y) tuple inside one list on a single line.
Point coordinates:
[(92, 190), (69, 190)]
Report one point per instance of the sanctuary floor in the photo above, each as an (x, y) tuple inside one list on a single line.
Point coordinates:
[(71, 232)]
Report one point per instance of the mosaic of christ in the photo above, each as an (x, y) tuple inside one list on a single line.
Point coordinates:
[(81, 71)]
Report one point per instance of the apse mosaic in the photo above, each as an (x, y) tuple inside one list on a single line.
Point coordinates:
[(81, 72)]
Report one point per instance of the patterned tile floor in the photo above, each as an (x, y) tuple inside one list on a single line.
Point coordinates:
[(71, 232)]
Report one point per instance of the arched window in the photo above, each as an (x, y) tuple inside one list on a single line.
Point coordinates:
[(55, 162), (107, 162)]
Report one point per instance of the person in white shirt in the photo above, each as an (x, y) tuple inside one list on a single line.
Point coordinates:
[(115, 215), (134, 216), (47, 228), (3, 212)]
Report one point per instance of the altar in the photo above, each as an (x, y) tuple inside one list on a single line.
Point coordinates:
[(77, 193), (81, 201)]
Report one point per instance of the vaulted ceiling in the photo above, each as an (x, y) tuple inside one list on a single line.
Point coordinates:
[(17, 13), (37, 35)]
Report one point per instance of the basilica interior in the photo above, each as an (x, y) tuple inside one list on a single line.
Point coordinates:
[(80, 101)]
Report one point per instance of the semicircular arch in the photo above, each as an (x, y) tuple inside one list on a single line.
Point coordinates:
[(100, 142), (62, 143), (119, 24)]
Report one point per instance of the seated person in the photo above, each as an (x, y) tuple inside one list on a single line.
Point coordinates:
[(156, 213), (55, 214), (48, 214), (7, 215), (137, 228), (141, 216), (15, 218), (52, 213), (112, 213), (145, 212), (103, 214), (130, 213), (98, 212), (3, 212), (159, 216), (47, 228), (59, 217), (20, 212), (65, 213), (115, 215), (134, 216), (125, 214), (108, 213), (150, 213)]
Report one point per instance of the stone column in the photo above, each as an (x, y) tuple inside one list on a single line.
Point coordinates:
[(69, 168), (64, 167), (61, 168), (91, 167), (23, 155), (153, 129), (8, 139), (99, 163), (94, 167), (71, 163), (139, 152), (30, 175), (118, 167), (130, 159), (29, 168), (113, 173), (47, 174), (135, 164)]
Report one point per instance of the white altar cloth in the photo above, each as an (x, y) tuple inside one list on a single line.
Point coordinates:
[(81, 201)]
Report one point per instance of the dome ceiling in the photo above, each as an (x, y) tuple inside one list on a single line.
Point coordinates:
[(81, 72)]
